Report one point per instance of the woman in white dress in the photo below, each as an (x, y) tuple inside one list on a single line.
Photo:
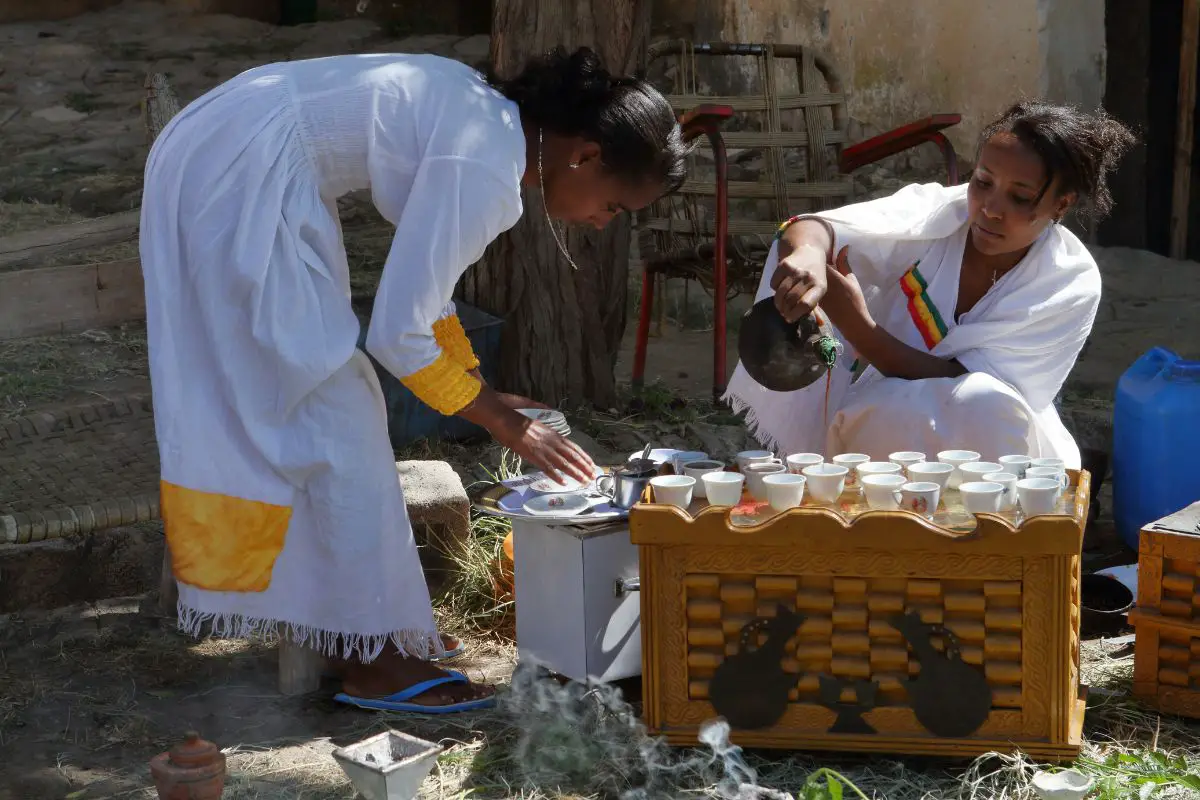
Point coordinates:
[(283, 509), (961, 309)]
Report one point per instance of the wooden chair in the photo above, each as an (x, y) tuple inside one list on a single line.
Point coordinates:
[(718, 228)]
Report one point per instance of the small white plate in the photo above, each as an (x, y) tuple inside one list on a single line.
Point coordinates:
[(546, 485), (556, 505)]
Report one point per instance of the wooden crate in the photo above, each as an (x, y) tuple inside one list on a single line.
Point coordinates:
[(1166, 672), (1009, 595)]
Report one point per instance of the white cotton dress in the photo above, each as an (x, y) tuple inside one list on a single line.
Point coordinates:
[(1018, 343), (282, 504)]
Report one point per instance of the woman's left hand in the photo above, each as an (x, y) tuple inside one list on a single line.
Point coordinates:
[(844, 300)]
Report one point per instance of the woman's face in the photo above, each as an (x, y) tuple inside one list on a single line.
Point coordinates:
[(588, 194), (1006, 214)]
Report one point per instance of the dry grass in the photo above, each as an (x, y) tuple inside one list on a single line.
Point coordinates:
[(45, 370)]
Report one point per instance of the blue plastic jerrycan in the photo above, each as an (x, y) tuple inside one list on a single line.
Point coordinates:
[(1156, 441)]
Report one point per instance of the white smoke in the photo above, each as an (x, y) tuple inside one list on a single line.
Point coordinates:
[(584, 738)]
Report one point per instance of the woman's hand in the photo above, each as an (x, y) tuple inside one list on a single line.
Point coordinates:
[(847, 309), (844, 301), (553, 454), (533, 442), (800, 279)]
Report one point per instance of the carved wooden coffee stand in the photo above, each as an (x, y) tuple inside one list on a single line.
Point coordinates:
[(877, 631)]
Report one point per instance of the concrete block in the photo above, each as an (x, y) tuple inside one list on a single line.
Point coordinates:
[(439, 511)]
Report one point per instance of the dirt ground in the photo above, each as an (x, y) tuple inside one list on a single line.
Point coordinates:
[(88, 694), (92, 693)]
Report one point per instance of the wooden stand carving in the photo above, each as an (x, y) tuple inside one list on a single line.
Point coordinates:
[(1166, 671), (895, 635)]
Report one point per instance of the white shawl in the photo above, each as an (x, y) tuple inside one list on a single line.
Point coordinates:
[(1027, 331)]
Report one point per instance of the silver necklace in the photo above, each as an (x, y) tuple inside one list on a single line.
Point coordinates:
[(542, 186)]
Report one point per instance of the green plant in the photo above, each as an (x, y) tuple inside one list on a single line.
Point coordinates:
[(1123, 775), (827, 784)]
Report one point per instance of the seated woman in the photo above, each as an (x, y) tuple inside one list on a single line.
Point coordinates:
[(961, 309)]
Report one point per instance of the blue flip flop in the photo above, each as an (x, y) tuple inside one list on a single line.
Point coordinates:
[(449, 654), (400, 700)]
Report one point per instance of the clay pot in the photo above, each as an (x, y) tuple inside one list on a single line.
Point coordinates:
[(192, 770)]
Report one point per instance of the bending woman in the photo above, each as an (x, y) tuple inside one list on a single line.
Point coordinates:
[(961, 309), (282, 505)]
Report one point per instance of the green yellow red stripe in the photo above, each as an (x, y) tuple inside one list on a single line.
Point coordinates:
[(922, 310), (786, 224)]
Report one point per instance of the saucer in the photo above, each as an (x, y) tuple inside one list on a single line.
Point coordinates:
[(556, 505)]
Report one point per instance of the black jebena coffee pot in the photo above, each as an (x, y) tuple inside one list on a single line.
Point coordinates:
[(784, 356)]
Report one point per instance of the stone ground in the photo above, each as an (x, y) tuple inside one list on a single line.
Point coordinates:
[(90, 693)]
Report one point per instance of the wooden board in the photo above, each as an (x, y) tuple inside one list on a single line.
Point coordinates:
[(33, 246), (49, 300)]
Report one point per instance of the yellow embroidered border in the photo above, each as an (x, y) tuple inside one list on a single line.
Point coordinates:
[(222, 543), (445, 386), (454, 342)]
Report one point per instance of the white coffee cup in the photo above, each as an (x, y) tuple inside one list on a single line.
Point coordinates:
[(1015, 465), (975, 470), (933, 472), (1009, 481), (851, 461), (674, 490), (906, 458), (678, 460), (920, 497), (883, 491), (797, 462), (1038, 496), (784, 490), (1051, 473), (826, 482), (1055, 463), (723, 488), (747, 457), (956, 458), (756, 472), (982, 497), (698, 469), (877, 468)]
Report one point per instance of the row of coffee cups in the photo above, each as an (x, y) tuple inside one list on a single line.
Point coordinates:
[(905, 480)]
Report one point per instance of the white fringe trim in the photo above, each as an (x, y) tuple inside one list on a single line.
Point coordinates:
[(361, 647), (740, 406)]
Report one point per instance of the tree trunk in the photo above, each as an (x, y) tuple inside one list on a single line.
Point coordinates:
[(562, 329)]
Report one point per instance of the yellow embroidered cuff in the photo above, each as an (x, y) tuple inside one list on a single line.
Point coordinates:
[(444, 385), (454, 342)]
